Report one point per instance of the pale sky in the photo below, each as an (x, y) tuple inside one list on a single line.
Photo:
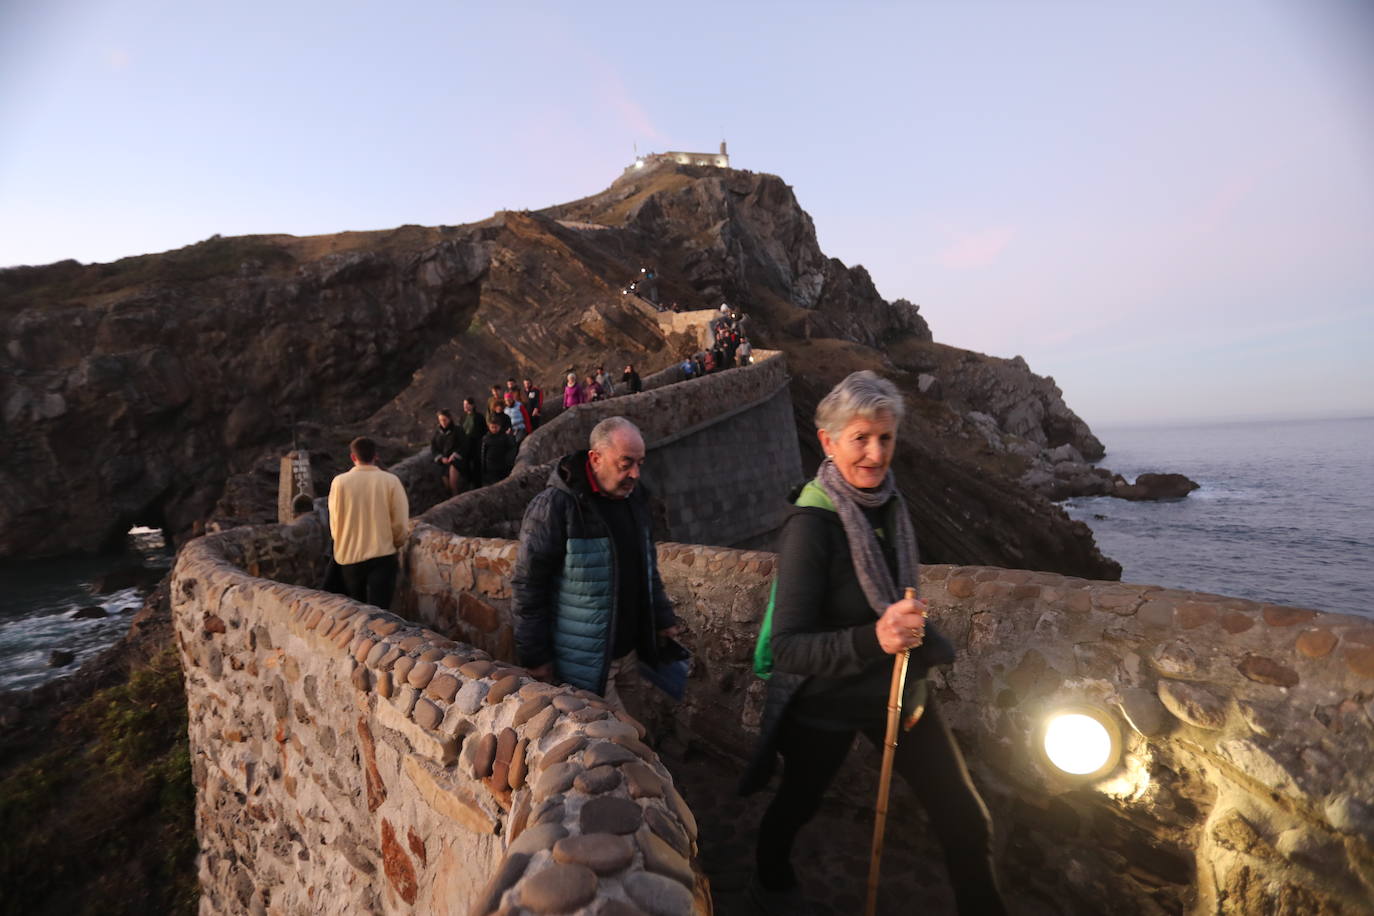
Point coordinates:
[(1167, 206)]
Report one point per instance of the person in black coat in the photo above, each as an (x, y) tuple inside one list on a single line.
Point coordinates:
[(473, 429), (445, 445), (839, 617), (633, 383), (498, 450)]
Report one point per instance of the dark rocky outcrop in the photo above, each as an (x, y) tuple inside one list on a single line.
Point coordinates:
[(61, 658), (130, 575), (162, 390), (132, 405), (1153, 486)]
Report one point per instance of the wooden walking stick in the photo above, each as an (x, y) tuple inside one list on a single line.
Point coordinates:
[(894, 712)]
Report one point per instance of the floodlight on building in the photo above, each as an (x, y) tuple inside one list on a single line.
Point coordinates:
[(639, 163), (1079, 742)]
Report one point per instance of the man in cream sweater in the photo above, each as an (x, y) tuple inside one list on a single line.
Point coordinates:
[(368, 512)]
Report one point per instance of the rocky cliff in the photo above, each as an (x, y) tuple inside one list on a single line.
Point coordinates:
[(131, 392), (157, 390)]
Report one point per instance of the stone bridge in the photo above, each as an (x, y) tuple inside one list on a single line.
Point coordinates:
[(352, 760)]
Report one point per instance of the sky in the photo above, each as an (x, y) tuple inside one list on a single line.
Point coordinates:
[(1167, 206)]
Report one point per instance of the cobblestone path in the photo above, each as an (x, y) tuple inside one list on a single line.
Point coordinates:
[(832, 852)]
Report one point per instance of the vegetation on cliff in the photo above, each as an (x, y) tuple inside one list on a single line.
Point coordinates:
[(97, 809)]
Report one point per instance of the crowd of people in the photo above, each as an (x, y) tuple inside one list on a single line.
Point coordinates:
[(479, 448), (476, 449), (727, 348)]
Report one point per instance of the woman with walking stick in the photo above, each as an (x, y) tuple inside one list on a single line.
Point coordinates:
[(837, 622)]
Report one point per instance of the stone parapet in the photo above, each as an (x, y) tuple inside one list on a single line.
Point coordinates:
[(423, 483), (694, 323), (1244, 788), (1242, 719), (1245, 785), (663, 411), (722, 456), (347, 760)]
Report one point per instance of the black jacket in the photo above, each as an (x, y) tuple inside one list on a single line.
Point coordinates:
[(498, 457), (828, 667), (565, 606), (445, 442)]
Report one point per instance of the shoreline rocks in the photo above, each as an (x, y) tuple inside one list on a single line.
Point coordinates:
[(1070, 478), (1153, 486), (61, 658)]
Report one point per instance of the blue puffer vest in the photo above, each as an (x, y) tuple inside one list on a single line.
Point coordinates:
[(565, 583), (584, 625)]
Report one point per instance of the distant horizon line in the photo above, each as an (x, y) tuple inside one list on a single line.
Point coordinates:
[(1358, 414)]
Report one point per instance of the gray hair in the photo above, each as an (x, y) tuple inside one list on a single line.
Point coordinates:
[(862, 394), (604, 432)]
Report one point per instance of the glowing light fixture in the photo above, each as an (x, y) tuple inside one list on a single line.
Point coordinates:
[(639, 163), (1080, 742)]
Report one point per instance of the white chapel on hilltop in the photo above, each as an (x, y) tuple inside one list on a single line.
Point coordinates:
[(718, 160)]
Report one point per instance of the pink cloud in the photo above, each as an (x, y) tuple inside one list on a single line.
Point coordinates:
[(632, 114), (971, 250)]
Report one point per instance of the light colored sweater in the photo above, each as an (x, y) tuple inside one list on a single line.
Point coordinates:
[(368, 512)]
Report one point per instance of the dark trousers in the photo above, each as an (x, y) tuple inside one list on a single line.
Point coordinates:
[(470, 467), (371, 581), (930, 762)]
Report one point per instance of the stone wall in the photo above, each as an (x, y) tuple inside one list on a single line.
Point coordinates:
[(347, 760), (1245, 785), (671, 420), (694, 323), (727, 482), (663, 411), (698, 433), (355, 758)]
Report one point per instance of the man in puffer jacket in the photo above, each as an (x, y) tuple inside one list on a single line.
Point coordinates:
[(588, 597)]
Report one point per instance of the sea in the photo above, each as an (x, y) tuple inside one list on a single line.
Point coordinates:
[(1285, 512), (39, 597)]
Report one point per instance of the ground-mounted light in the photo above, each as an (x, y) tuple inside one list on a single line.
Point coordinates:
[(1079, 742)]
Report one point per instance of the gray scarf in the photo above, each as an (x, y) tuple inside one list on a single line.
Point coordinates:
[(874, 576)]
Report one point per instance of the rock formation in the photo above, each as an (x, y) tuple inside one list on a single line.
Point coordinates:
[(161, 390), (1153, 486), (131, 391)]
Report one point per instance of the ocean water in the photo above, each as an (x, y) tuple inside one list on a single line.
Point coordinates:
[(38, 598), (1285, 513)]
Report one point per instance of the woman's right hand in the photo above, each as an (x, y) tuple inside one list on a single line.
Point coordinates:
[(902, 626)]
